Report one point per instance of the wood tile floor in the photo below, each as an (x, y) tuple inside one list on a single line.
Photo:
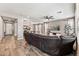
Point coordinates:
[(10, 46)]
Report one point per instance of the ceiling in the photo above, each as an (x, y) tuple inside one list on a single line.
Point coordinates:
[(37, 10)]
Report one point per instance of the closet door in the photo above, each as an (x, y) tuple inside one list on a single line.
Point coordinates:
[(8, 30)]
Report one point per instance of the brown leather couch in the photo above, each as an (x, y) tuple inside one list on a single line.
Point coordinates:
[(53, 45)]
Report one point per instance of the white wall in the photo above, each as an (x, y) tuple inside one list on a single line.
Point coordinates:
[(16, 29), (1, 28), (77, 21), (20, 28)]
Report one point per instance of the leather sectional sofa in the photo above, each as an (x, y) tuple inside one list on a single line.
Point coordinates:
[(53, 45)]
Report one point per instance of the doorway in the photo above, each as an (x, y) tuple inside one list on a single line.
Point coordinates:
[(9, 29), (9, 26)]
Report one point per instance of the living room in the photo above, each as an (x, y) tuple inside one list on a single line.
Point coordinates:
[(46, 19)]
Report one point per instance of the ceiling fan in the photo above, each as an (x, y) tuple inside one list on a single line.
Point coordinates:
[(47, 17)]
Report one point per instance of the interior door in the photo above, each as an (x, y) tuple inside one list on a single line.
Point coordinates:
[(8, 29)]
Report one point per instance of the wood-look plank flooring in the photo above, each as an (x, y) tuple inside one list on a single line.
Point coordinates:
[(10, 46)]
